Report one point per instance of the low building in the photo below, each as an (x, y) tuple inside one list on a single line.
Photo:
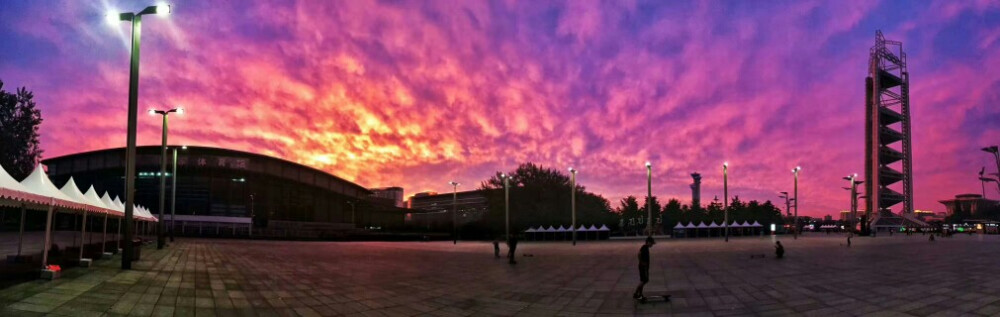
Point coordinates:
[(967, 206), (394, 194), (432, 211)]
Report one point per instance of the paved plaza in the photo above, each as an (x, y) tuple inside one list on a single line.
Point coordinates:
[(820, 276)]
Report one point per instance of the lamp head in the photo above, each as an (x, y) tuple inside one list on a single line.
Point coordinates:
[(184, 147), (571, 170), (179, 110), (725, 164), (991, 149), (162, 9), (648, 164)]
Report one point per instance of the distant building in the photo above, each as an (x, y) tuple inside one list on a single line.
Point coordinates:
[(828, 218), (392, 193), (845, 215), (432, 210), (968, 206), (696, 190)]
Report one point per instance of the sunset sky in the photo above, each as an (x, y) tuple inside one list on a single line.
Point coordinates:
[(416, 94)]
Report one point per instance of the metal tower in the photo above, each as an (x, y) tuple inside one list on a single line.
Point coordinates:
[(888, 153)]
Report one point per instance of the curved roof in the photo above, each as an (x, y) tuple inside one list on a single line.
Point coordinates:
[(259, 163)]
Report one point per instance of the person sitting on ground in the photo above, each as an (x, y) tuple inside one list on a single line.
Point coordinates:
[(779, 250), (643, 268)]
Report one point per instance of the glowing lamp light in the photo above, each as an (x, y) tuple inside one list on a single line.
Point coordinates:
[(180, 110), (112, 17), (184, 147), (648, 164), (151, 112), (725, 164), (163, 9)]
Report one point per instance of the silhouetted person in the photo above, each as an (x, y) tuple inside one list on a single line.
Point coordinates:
[(496, 247), (512, 248), (643, 268), (779, 250), (849, 240), (890, 232), (932, 238)]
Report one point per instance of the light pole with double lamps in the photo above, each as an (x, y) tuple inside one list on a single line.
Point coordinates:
[(160, 240)]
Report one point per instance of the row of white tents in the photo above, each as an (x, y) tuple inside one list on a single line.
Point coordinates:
[(37, 192), (702, 225), (582, 228)]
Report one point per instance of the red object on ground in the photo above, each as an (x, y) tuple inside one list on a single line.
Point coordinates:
[(54, 268)]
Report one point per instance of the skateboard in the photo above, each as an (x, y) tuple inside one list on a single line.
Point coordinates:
[(653, 298)]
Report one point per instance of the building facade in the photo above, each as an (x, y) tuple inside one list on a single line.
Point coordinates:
[(968, 206), (435, 211), (279, 197)]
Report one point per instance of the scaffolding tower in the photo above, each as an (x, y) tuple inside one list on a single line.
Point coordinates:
[(888, 151)]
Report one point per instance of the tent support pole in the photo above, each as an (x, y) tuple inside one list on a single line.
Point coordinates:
[(48, 236), (118, 236), (20, 233), (83, 230), (104, 237)]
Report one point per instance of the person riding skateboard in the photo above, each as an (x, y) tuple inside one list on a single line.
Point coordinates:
[(643, 268)]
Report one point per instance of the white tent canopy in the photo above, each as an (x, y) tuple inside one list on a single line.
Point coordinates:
[(603, 228), (39, 184)]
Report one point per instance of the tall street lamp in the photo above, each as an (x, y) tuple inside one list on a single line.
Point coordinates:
[(454, 212), (795, 233), (854, 197), (173, 192), (996, 157), (725, 199), (649, 198), (133, 101), (506, 204), (572, 199), (160, 241)]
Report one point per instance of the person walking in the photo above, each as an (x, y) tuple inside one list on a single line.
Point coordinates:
[(643, 268), (779, 250), (849, 239), (496, 247), (512, 248)]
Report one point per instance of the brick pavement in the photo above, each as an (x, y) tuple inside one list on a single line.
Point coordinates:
[(902, 276)]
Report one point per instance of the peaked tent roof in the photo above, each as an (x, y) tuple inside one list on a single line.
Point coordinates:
[(603, 228), (713, 225), (11, 188), (755, 224), (679, 226), (592, 228), (39, 184), (72, 191), (702, 225)]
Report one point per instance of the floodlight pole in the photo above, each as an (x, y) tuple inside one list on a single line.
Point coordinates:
[(572, 195), (133, 109), (725, 200)]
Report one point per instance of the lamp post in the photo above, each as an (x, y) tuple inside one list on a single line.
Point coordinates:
[(506, 204), (795, 233), (454, 212), (160, 242), (173, 193), (572, 200), (133, 101), (854, 197), (996, 157), (649, 198), (725, 198)]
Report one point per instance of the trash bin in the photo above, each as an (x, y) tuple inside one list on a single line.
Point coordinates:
[(136, 249)]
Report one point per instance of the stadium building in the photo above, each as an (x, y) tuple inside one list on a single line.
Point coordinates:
[(234, 193)]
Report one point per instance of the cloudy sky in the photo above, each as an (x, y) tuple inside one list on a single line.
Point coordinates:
[(415, 94)]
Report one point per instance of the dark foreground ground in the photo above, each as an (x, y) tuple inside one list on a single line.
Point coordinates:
[(820, 276)]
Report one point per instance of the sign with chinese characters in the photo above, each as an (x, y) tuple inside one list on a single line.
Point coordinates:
[(239, 163)]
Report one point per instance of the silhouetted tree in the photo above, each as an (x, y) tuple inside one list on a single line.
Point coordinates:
[(19, 122), (541, 196)]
